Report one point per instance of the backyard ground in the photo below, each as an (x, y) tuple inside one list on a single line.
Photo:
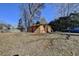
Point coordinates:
[(30, 44)]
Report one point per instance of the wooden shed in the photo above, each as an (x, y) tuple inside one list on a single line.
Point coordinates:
[(42, 27)]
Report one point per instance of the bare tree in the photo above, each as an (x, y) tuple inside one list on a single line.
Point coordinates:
[(66, 8), (30, 12)]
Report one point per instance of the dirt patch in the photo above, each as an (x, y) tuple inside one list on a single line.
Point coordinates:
[(38, 44)]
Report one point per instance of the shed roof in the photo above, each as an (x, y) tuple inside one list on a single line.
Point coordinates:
[(43, 21)]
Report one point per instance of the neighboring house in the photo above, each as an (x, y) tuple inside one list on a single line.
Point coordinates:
[(7, 28), (14, 30), (4, 28), (42, 27)]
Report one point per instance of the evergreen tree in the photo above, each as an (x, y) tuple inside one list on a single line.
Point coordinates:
[(20, 25)]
